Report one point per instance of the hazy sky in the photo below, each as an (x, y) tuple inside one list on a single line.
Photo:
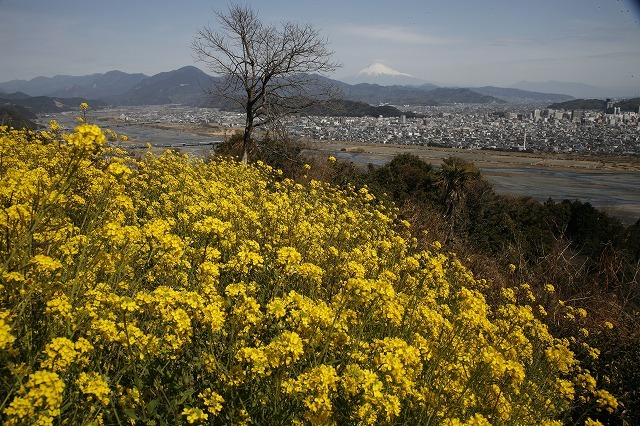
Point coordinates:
[(461, 42)]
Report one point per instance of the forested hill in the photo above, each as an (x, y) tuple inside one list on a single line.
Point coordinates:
[(17, 117), (43, 104), (627, 105), (344, 108)]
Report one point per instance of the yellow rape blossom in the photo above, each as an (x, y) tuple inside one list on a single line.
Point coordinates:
[(315, 388), (6, 338), (171, 288), (60, 353), (194, 415), (212, 400), (54, 126), (94, 385), (606, 400), (87, 137), (38, 402)]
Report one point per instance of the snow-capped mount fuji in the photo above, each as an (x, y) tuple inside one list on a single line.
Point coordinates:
[(382, 75), (378, 70)]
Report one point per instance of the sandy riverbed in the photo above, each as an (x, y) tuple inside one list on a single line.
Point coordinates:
[(489, 158), (435, 155), (611, 183)]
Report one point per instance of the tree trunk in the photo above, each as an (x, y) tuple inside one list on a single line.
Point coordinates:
[(246, 139), (245, 145)]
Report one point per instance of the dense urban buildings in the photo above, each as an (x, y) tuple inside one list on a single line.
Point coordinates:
[(519, 127), (487, 127)]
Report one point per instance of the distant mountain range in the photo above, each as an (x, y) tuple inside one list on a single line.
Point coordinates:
[(187, 86), (92, 86), (519, 95), (576, 90), (63, 93)]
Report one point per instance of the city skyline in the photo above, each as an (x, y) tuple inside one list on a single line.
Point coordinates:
[(463, 42)]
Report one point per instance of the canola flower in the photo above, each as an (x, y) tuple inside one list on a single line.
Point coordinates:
[(170, 290)]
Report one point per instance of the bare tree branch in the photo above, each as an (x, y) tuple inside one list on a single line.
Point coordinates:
[(266, 71)]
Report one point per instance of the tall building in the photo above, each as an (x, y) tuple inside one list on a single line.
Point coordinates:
[(610, 103), (610, 107), (576, 116)]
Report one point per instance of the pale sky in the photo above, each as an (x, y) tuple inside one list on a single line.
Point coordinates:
[(454, 42)]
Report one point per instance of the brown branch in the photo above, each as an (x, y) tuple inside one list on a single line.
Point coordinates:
[(265, 70)]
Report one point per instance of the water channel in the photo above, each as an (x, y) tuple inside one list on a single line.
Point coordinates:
[(616, 193)]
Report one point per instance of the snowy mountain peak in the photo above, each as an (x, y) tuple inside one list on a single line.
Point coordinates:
[(383, 75), (378, 69)]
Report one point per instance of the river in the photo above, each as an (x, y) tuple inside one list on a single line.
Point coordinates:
[(618, 194)]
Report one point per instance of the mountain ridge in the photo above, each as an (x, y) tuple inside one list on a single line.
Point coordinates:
[(101, 86), (506, 93), (574, 89), (184, 85), (187, 85), (74, 86)]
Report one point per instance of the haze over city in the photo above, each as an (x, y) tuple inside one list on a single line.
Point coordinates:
[(466, 43)]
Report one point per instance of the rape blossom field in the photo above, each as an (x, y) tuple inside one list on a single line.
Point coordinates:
[(170, 290)]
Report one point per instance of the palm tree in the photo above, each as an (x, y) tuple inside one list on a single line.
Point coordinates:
[(455, 176)]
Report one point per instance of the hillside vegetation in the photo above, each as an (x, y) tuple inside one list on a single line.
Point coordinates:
[(344, 108), (592, 259), (171, 290), (17, 117), (40, 104), (627, 105)]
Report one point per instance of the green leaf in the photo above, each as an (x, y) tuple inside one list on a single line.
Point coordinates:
[(186, 395), (151, 407), (131, 413)]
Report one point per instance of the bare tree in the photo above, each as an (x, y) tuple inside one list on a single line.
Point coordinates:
[(266, 70)]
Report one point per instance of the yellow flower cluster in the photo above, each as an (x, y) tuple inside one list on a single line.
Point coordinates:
[(6, 338), (86, 137), (93, 385), (169, 289), (38, 402)]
